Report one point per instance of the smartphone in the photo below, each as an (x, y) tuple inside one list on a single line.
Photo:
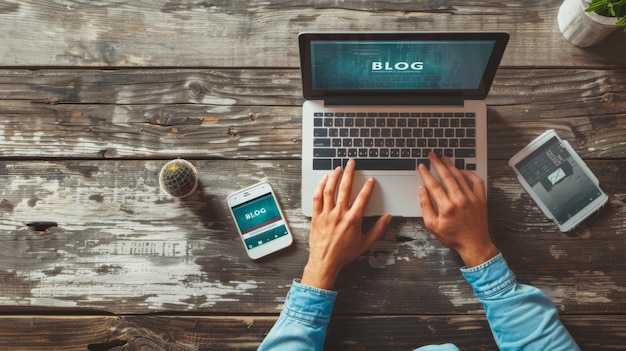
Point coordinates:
[(558, 180), (259, 220)]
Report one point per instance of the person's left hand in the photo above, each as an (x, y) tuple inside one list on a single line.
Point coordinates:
[(336, 237)]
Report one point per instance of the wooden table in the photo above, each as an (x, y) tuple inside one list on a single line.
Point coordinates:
[(96, 96)]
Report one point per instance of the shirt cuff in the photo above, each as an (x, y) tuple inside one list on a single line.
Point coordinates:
[(309, 304), (490, 278)]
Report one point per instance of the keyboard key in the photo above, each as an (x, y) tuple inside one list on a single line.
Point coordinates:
[(321, 142), (464, 153), (323, 152), (320, 132), (468, 123), (322, 164), (467, 142), (385, 164)]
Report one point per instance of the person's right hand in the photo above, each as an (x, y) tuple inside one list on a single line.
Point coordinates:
[(455, 210)]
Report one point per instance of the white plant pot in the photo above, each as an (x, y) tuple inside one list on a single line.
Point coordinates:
[(582, 28)]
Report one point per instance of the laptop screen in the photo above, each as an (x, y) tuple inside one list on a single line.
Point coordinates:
[(380, 64)]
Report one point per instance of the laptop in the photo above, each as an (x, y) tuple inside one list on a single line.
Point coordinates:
[(386, 100)]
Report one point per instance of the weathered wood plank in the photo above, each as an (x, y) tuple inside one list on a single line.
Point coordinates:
[(191, 333), (109, 240), (257, 114), (263, 34)]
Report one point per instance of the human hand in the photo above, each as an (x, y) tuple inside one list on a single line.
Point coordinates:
[(459, 220), (336, 237)]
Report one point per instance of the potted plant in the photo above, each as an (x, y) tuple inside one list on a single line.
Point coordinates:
[(585, 23)]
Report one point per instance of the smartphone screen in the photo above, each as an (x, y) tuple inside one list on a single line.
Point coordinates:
[(558, 180), (259, 219)]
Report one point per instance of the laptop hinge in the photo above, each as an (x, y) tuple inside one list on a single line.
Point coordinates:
[(393, 100)]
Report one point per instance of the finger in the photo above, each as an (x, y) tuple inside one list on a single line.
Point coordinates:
[(318, 196), (448, 180), (428, 208), (331, 187), (477, 185), (375, 233), (461, 180), (435, 190), (345, 186), (360, 203)]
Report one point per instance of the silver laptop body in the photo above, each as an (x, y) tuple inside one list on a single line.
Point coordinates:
[(388, 99)]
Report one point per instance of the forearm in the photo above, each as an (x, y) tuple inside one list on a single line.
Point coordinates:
[(303, 323), (521, 317)]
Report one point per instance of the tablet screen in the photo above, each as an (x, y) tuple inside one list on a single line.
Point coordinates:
[(558, 180)]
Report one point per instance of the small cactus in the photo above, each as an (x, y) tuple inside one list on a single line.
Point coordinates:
[(178, 178)]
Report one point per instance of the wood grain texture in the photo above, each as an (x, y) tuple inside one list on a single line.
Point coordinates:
[(252, 114), (101, 235), (95, 96), (193, 333), (263, 34)]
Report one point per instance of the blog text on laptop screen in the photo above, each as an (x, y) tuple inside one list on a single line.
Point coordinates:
[(398, 65)]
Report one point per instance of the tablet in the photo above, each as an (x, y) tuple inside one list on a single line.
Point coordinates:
[(558, 180)]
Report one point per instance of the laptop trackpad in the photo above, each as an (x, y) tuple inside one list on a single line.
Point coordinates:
[(397, 195)]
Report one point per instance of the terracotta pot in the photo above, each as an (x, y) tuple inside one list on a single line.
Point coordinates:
[(582, 28)]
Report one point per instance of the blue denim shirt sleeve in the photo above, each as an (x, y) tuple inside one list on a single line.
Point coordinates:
[(303, 323), (521, 317)]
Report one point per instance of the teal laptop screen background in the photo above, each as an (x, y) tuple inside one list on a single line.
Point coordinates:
[(399, 65)]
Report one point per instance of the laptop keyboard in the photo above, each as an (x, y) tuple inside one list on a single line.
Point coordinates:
[(392, 141)]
